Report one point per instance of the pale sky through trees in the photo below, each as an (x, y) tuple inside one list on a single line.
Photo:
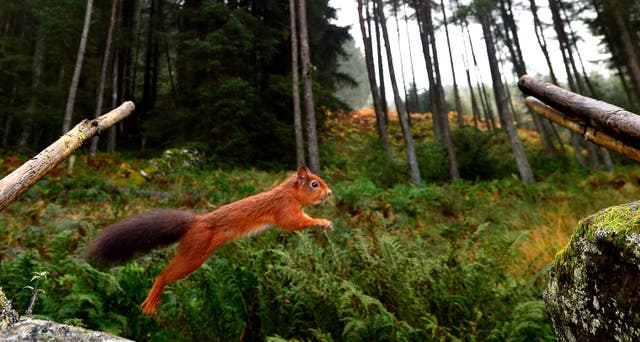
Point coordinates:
[(534, 59)]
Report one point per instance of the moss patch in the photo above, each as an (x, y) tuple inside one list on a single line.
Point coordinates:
[(594, 288)]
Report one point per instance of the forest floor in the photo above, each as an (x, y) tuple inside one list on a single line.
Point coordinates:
[(444, 260)]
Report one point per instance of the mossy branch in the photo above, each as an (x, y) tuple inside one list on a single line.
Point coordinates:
[(20, 180)]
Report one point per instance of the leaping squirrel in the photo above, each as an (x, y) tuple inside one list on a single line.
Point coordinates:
[(200, 235)]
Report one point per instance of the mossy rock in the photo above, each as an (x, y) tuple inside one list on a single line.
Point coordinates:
[(8, 317), (594, 287), (26, 329)]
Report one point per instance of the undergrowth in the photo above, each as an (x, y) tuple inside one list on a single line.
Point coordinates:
[(443, 261)]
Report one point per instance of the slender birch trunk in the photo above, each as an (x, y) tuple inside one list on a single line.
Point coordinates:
[(402, 115), (307, 67), (103, 73), (297, 115), (73, 89)]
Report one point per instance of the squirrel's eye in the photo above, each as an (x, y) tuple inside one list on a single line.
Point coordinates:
[(314, 184)]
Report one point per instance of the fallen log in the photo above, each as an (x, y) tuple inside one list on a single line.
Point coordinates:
[(589, 133), (617, 122), (21, 179)]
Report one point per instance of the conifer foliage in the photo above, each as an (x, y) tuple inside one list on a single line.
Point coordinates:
[(213, 73)]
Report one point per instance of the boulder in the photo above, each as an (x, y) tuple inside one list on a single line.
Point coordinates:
[(8, 317), (13, 328), (594, 287)]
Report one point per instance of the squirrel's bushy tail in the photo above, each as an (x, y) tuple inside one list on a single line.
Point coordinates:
[(139, 234)]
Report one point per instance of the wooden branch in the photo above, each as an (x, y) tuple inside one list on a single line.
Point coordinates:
[(21, 179), (604, 116), (589, 133)]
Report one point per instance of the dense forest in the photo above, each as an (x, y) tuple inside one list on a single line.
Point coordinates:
[(213, 74), (217, 75), (451, 199)]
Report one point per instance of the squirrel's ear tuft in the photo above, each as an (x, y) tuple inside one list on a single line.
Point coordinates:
[(302, 174), (301, 167)]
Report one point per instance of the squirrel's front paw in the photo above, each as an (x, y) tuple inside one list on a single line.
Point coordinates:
[(326, 224)]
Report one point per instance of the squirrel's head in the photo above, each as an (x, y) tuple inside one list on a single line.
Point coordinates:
[(310, 189)]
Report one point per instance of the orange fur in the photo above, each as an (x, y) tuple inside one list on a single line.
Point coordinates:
[(281, 206)]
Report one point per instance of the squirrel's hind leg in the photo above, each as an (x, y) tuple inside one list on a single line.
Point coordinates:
[(195, 247)]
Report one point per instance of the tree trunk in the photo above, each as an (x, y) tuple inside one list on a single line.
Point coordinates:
[(103, 72), (628, 48), (149, 86), (539, 30), (482, 92), (73, 89), (137, 28), (402, 115), (383, 88), (456, 95), (297, 115), (573, 78), (38, 56), (474, 103), (111, 140), (569, 45), (404, 87), (421, 16), (118, 70), (371, 73), (511, 37), (545, 127), (465, 62), (573, 45), (526, 174), (625, 86), (307, 67), (414, 94), (438, 93), (563, 40)]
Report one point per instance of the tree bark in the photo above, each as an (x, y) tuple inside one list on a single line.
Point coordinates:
[(456, 94), (38, 59), (383, 89), (628, 48), (563, 41), (377, 104), (482, 92), (511, 37), (423, 15), (437, 92), (116, 71), (111, 140), (73, 89), (414, 171), (103, 72), (307, 67), (395, 9), (573, 77), (542, 42), (297, 115), (526, 174), (414, 95), (21, 179), (151, 57)]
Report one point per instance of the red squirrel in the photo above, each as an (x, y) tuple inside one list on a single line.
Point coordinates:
[(200, 235)]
